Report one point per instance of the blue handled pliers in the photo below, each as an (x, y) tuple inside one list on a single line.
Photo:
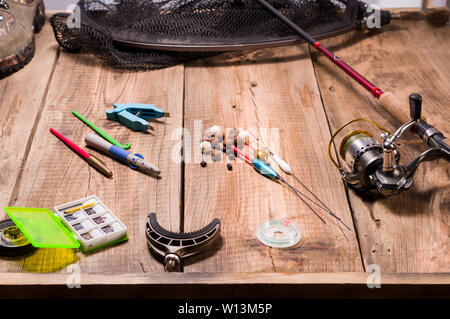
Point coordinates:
[(134, 115)]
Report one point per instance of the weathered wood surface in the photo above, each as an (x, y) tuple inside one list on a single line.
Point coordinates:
[(271, 286), (21, 100), (409, 232), (53, 174), (278, 88), (279, 98)]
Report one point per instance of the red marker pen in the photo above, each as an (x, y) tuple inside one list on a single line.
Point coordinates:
[(91, 159)]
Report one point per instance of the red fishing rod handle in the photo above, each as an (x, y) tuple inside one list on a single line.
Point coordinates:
[(392, 104), (396, 106), (388, 101)]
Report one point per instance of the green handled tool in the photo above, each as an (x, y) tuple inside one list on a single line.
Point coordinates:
[(102, 133)]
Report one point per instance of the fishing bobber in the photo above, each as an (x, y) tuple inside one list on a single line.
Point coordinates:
[(232, 137), (214, 142), (230, 154), (243, 139), (262, 155), (217, 132), (234, 132), (215, 129), (229, 142), (220, 136), (214, 132), (228, 160), (207, 135), (216, 155), (205, 139), (228, 149), (205, 147)]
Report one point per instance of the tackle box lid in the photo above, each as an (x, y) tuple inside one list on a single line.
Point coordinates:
[(42, 228)]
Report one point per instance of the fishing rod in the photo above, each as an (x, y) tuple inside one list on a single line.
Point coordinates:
[(376, 166), (386, 98), (388, 101)]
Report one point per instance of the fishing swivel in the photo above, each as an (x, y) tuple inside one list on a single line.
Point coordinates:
[(375, 166)]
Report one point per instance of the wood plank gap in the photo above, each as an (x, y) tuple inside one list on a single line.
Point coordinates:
[(272, 260), (337, 157), (183, 166), (15, 191), (354, 224)]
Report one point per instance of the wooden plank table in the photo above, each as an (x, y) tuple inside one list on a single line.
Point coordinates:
[(294, 94)]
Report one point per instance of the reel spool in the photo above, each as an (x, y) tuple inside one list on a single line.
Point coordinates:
[(12, 241), (356, 145), (361, 152)]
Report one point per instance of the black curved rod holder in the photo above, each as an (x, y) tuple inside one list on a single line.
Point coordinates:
[(174, 247)]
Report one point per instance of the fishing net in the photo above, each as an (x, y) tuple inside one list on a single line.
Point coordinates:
[(119, 32)]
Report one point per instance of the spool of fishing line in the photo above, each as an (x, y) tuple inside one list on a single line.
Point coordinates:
[(280, 233), (12, 241)]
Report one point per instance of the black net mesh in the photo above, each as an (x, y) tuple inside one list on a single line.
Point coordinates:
[(96, 26)]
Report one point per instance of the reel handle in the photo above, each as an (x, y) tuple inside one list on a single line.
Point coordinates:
[(415, 106), (393, 105)]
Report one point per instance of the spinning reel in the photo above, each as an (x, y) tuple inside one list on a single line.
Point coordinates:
[(375, 166)]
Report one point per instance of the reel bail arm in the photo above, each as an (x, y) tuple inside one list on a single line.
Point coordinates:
[(393, 178), (389, 147)]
